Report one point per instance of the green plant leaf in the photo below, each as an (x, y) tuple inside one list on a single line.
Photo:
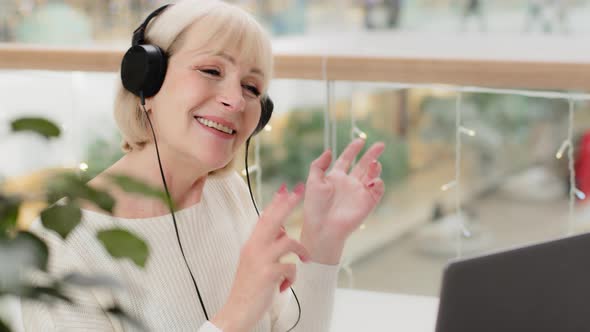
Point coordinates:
[(4, 327), (82, 280), (9, 208), (23, 252), (37, 247), (69, 184), (123, 244), (61, 218), (40, 126), (132, 185), (118, 312), (102, 199)]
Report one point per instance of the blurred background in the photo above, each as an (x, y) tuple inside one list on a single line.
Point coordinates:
[(513, 188), (109, 21)]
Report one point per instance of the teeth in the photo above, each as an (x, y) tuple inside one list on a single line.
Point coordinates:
[(215, 125)]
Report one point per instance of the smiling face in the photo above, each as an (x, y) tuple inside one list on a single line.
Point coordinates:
[(219, 56), (209, 103)]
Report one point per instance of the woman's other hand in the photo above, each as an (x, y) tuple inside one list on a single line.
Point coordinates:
[(260, 272), (337, 202)]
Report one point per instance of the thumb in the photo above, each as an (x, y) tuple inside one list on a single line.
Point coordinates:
[(318, 167)]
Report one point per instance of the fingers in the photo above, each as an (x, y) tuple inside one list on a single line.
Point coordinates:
[(362, 167), (345, 160), (286, 245), (373, 171), (318, 167), (376, 188), (275, 214), (282, 232), (287, 273), (285, 284)]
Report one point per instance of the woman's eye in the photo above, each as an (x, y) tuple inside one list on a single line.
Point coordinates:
[(213, 72), (254, 90)]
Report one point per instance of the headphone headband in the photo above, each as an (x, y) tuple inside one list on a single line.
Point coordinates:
[(139, 33)]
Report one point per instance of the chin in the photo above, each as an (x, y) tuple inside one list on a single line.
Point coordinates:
[(214, 161), (211, 152)]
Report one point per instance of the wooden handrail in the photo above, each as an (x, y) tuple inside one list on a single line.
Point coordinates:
[(502, 73)]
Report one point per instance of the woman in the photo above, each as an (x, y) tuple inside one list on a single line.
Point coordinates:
[(217, 266)]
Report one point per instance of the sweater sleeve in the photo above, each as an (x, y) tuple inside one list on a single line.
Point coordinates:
[(314, 287), (209, 327)]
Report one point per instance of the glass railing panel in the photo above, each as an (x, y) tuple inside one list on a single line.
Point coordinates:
[(512, 188)]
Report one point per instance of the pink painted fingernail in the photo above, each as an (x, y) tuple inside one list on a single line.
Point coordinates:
[(284, 286), (282, 189), (299, 188), (304, 259), (371, 185)]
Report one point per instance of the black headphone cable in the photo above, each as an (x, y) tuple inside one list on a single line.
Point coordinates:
[(258, 213), (169, 199)]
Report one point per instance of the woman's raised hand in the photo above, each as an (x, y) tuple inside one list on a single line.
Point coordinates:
[(337, 202), (260, 272)]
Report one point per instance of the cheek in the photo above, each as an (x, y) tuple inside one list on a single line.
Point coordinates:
[(185, 87), (252, 119), (181, 96), (190, 89)]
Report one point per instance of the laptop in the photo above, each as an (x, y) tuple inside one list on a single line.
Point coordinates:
[(537, 288)]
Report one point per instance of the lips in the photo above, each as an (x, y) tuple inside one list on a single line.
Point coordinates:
[(218, 120), (215, 128)]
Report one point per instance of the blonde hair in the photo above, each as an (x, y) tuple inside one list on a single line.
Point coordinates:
[(223, 26)]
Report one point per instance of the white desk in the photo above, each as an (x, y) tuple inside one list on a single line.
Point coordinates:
[(358, 310), (354, 310)]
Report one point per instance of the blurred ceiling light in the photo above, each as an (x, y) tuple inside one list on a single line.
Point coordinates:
[(467, 131), (251, 170), (448, 186), (562, 148), (466, 232), (359, 133)]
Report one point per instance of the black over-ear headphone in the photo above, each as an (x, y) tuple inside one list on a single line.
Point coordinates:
[(144, 67)]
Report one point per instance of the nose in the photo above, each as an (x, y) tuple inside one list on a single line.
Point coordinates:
[(232, 97)]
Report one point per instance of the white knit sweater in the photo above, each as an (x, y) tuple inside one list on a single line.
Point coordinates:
[(162, 295)]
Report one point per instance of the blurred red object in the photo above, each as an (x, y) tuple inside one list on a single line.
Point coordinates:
[(583, 166)]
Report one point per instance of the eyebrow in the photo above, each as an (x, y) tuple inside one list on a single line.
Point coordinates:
[(233, 61)]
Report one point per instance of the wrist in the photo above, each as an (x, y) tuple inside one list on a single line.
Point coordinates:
[(323, 250), (228, 322)]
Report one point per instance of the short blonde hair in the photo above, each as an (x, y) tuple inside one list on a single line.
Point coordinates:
[(223, 26)]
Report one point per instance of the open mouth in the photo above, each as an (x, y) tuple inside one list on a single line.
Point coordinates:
[(214, 125)]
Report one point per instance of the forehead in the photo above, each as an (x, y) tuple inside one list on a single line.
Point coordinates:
[(238, 46)]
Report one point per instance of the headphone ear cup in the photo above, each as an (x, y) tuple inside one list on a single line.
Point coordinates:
[(143, 69), (266, 108)]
